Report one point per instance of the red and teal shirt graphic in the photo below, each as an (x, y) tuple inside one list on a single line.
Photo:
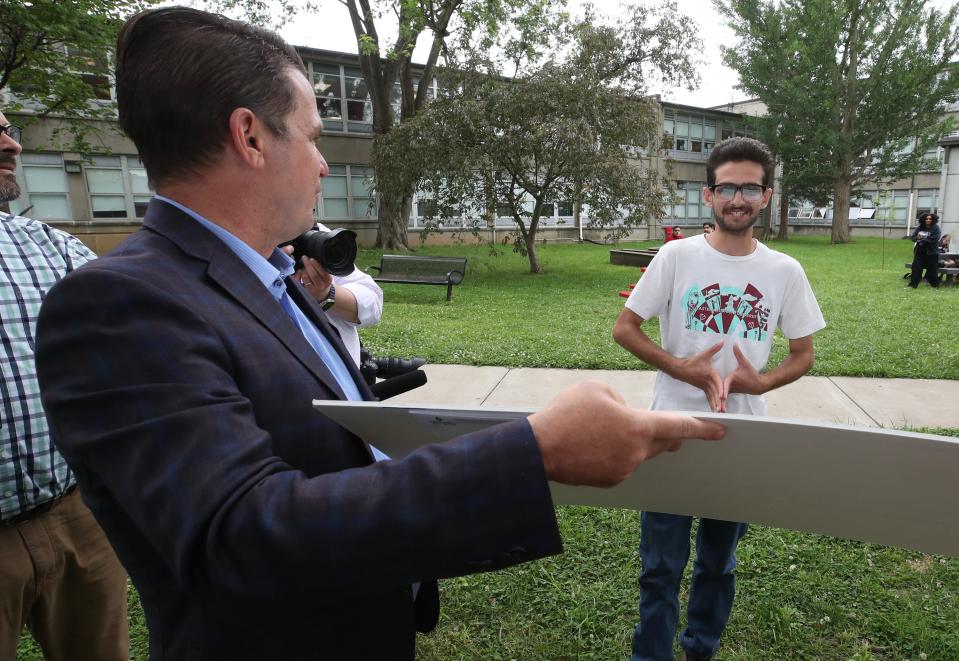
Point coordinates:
[(727, 311)]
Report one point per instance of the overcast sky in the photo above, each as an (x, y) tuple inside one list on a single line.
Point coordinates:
[(330, 28)]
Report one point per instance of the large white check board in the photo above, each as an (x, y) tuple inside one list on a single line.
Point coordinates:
[(872, 485)]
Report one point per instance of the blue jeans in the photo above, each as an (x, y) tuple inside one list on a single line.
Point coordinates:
[(664, 551)]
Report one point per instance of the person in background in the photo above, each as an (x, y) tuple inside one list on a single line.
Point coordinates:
[(926, 251), (59, 576), (352, 301), (709, 228)]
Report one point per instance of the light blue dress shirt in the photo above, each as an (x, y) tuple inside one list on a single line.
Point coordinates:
[(272, 272)]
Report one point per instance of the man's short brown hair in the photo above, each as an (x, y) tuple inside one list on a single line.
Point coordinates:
[(181, 72), (740, 149)]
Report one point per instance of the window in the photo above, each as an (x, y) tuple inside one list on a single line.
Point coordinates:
[(682, 133), (105, 184), (900, 206), (426, 208), (329, 95), (732, 128), (927, 200), (691, 207), (346, 193), (359, 110), (335, 198), (139, 187), (360, 190), (694, 134), (396, 96), (343, 99), (891, 206), (933, 157), (43, 185), (117, 187), (93, 70), (709, 135)]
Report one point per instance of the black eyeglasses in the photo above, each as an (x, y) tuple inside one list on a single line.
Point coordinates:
[(750, 192), (13, 131)]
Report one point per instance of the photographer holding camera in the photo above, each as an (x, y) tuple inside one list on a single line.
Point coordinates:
[(350, 297)]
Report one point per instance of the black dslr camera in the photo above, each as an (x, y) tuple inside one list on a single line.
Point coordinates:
[(334, 249)]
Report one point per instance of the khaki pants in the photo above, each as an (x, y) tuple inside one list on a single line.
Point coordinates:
[(60, 577)]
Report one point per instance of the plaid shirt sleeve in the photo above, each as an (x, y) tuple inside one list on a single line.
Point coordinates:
[(33, 257)]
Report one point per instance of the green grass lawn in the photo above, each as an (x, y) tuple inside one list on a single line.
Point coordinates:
[(502, 315), (801, 596)]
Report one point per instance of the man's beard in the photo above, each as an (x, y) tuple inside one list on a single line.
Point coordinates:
[(9, 188), (726, 227)]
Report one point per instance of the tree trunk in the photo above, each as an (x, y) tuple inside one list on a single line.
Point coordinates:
[(392, 216), (530, 239), (767, 230), (783, 215), (840, 210)]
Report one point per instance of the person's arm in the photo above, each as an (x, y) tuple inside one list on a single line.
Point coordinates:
[(934, 236), (697, 370), (588, 435), (746, 379), (317, 281), (368, 295)]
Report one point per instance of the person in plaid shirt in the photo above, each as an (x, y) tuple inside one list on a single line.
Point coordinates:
[(58, 575)]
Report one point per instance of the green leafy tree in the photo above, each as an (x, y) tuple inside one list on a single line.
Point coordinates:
[(855, 88), (398, 89), (578, 129), (55, 60)]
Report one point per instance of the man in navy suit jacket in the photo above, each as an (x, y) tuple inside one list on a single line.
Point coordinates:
[(178, 374)]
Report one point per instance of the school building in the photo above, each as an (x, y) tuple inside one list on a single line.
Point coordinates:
[(102, 197)]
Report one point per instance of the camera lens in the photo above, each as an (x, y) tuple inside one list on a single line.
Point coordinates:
[(335, 250)]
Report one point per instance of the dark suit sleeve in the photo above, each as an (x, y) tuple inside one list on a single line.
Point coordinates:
[(140, 391)]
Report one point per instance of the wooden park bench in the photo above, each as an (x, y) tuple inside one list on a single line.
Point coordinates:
[(420, 270)]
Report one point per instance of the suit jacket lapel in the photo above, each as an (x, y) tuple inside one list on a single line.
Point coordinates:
[(230, 273)]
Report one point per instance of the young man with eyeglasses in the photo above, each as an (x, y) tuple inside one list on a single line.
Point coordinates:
[(719, 298), (58, 574)]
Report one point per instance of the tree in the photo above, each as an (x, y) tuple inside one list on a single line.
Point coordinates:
[(855, 87), (578, 129), (54, 60), (399, 90), (397, 96)]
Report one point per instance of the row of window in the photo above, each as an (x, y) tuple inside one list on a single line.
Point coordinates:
[(872, 208), (343, 99), (116, 187), (691, 205), (696, 134)]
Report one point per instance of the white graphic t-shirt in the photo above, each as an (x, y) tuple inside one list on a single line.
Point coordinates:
[(703, 296)]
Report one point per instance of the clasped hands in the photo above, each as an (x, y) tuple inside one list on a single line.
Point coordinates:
[(698, 370)]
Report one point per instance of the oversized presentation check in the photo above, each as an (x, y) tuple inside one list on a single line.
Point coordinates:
[(872, 485)]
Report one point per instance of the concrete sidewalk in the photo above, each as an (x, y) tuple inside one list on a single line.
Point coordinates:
[(848, 400)]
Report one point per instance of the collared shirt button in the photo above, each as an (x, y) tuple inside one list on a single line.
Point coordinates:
[(278, 282)]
